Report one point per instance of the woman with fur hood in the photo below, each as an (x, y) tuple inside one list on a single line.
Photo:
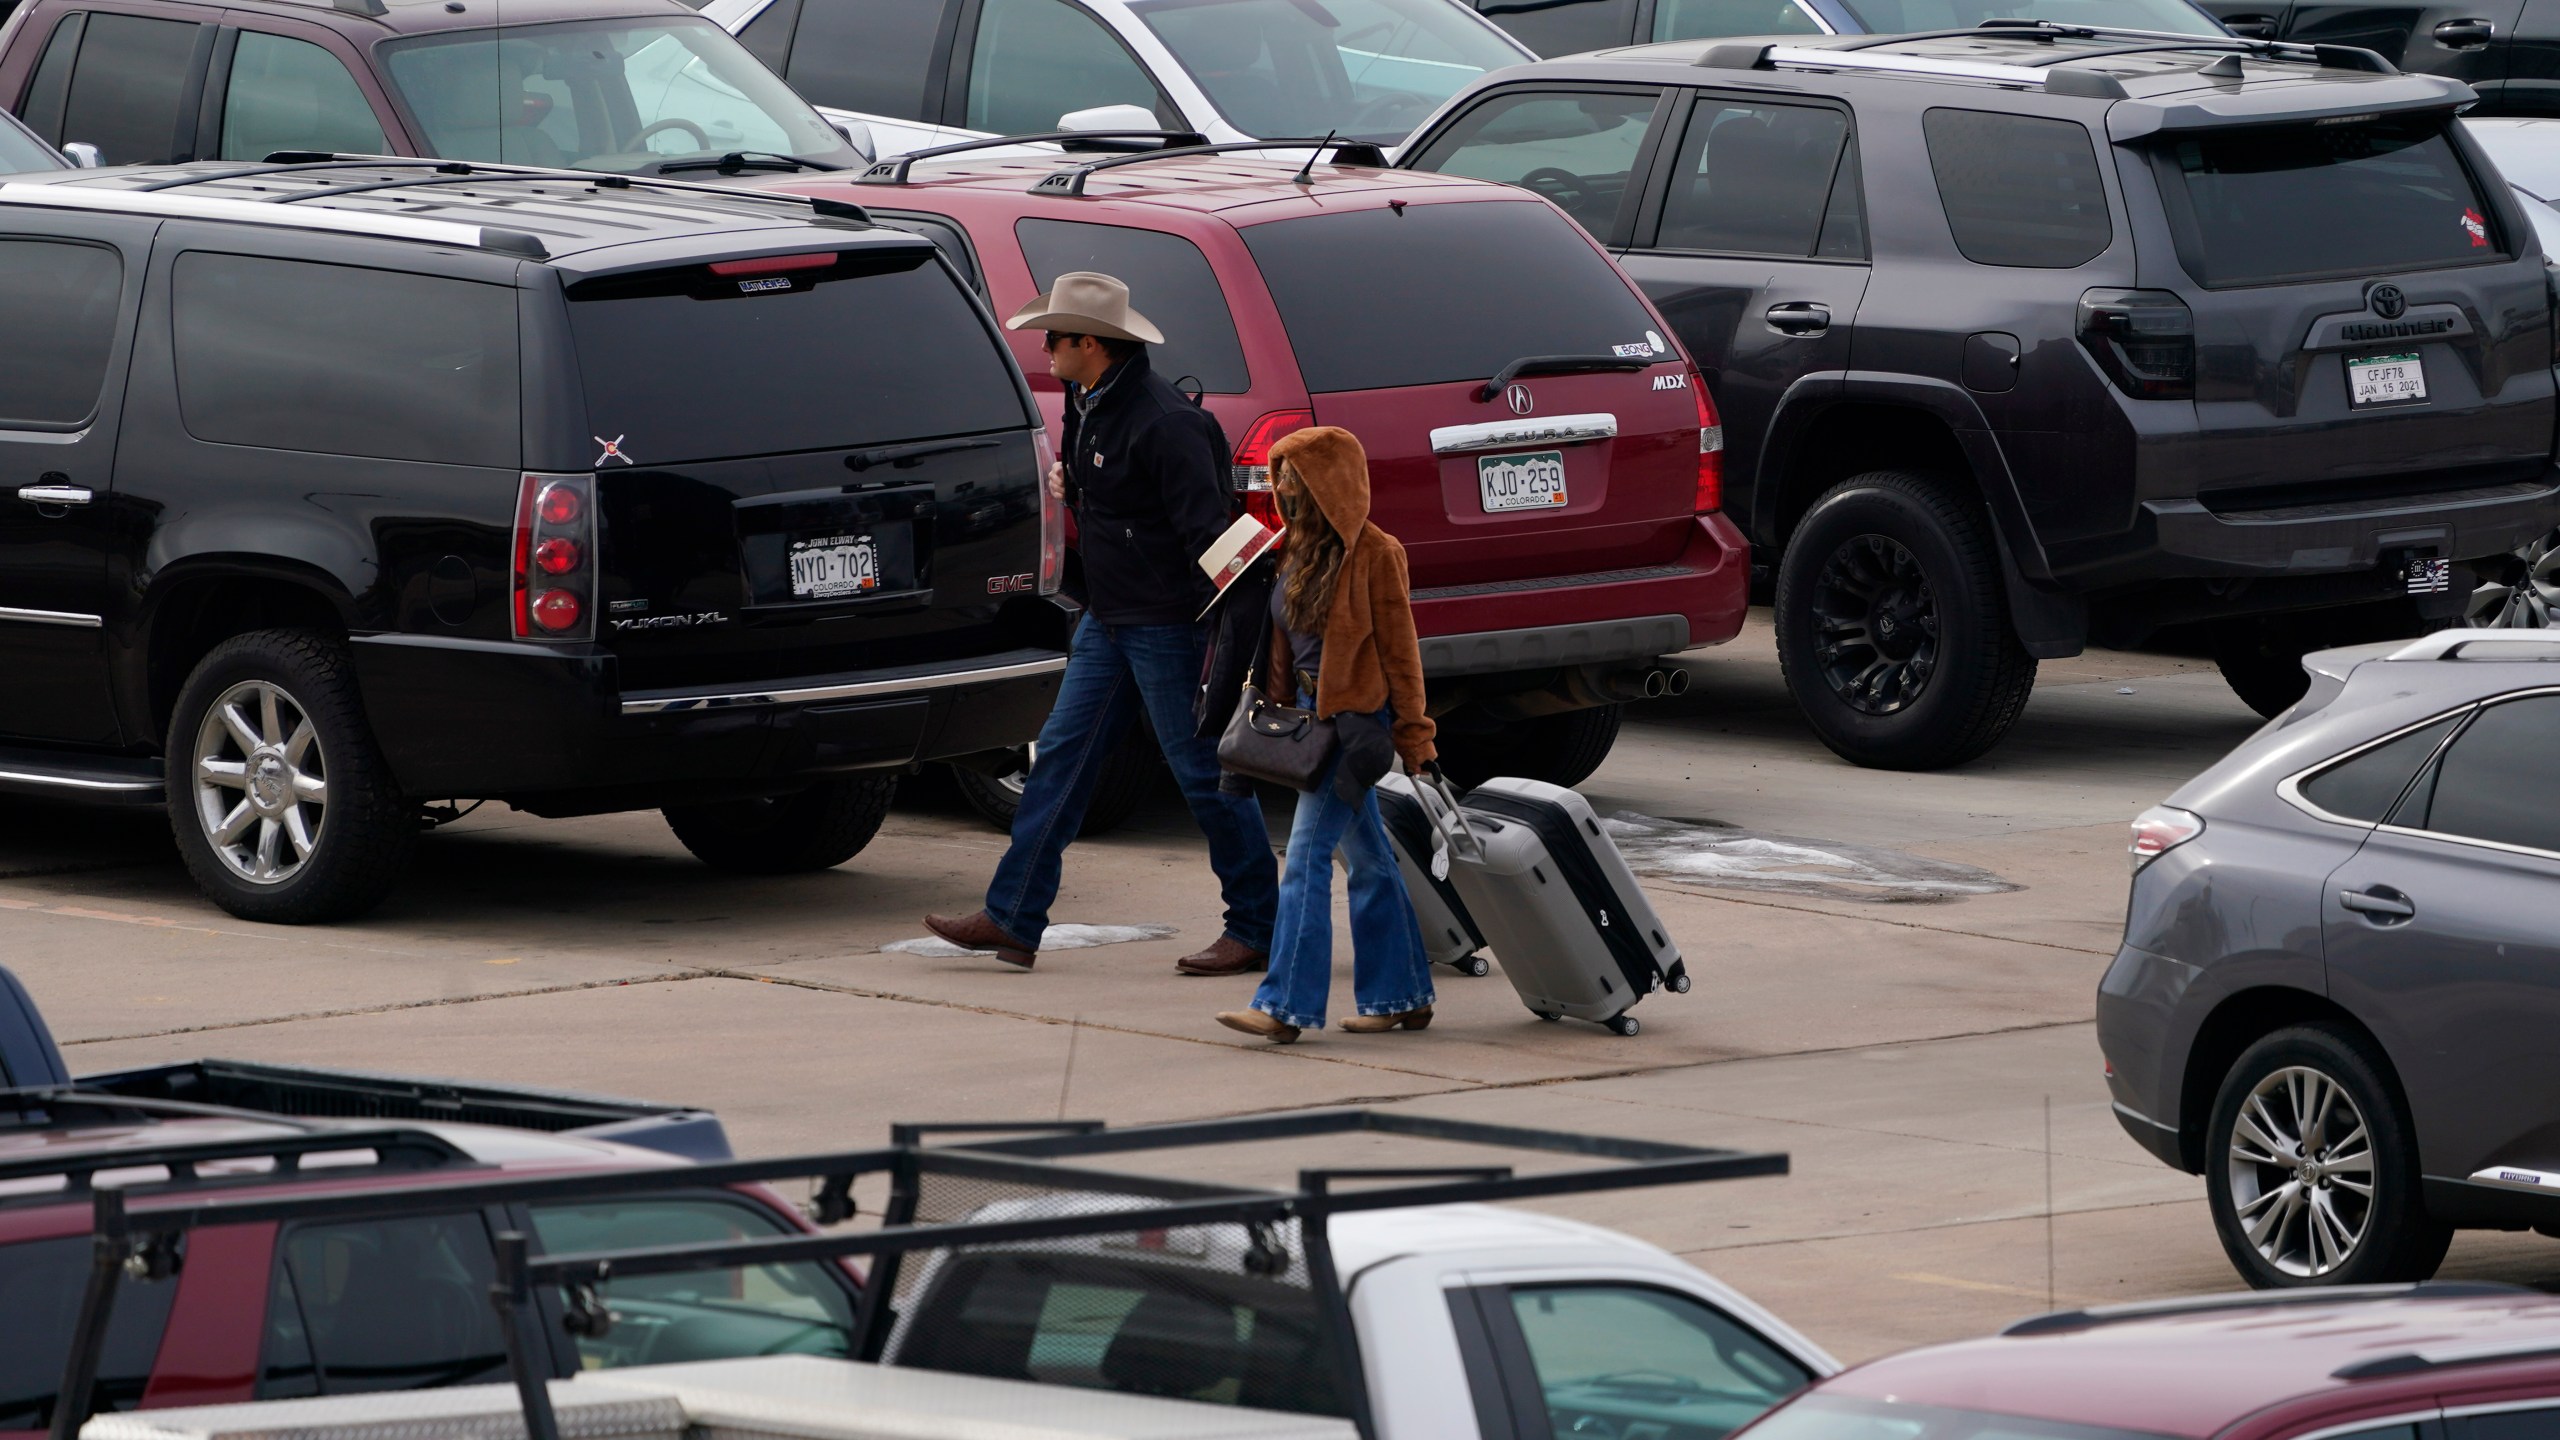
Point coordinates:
[(1342, 638)]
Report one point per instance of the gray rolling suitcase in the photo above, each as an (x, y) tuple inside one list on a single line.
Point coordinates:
[(1558, 905), (1449, 933)]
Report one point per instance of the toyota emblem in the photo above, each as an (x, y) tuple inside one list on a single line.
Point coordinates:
[(1522, 402), (2387, 301)]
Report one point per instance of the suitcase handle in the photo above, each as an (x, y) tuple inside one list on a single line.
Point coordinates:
[(1448, 822)]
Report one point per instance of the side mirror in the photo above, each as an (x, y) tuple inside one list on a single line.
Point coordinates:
[(857, 135), (1111, 117), (84, 155)]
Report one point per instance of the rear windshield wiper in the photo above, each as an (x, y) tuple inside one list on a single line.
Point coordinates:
[(1558, 365), (738, 160)]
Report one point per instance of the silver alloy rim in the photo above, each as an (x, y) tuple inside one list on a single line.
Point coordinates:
[(2529, 598), (2301, 1170), (262, 782), (1012, 781)]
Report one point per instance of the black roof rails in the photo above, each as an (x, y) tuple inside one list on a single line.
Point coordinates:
[(1345, 152), (2410, 1362), (2073, 1320), (394, 1147), (457, 172), (893, 171)]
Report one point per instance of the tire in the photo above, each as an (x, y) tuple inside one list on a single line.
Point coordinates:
[(1559, 749), (319, 830), (2522, 592), (814, 829), (1893, 625), (2318, 1069), (1129, 775)]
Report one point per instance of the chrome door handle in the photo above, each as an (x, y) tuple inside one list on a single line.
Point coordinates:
[(1799, 318), (2383, 906), (56, 494)]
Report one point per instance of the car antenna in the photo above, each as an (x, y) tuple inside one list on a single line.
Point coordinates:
[(1306, 172)]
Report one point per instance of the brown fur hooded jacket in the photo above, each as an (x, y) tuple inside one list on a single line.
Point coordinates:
[(1371, 658)]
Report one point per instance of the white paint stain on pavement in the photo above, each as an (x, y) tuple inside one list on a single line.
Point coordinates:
[(1056, 937), (1750, 860)]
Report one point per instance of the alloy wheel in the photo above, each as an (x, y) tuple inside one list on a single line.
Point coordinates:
[(2301, 1172), (1875, 625), (261, 782), (2526, 596)]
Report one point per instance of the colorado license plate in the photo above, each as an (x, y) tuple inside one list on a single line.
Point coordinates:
[(829, 567), (1521, 482), (2385, 380)]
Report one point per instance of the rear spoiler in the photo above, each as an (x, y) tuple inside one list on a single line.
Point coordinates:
[(2331, 102)]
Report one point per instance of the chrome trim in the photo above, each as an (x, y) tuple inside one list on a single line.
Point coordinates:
[(72, 618), (2370, 1424), (56, 494), (2516, 1177), (2497, 1407), (1823, 59), (73, 782), (894, 685), (1502, 434), (256, 212), (44, 437)]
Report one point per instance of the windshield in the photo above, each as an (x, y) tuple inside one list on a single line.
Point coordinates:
[(619, 95), (20, 151), (2298, 202), (1364, 69), (1893, 17), (1839, 1417)]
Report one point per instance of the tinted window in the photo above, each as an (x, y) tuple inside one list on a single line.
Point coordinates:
[(1036, 60), (51, 87), (1191, 1334), (2538, 1424), (863, 55), (40, 1287), (2366, 787), (1170, 282), (705, 1315), (20, 151), (1708, 19), (1753, 178), (946, 235), (1435, 293), (293, 95), (2295, 201), (1563, 27), (1575, 149), (1897, 17), (129, 89), (1621, 1359), (344, 361), (2018, 190), (768, 36), (1844, 215), (1364, 69), (2499, 780), (804, 368), (58, 305), (382, 1305)]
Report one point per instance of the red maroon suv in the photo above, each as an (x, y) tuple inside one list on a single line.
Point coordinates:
[(1536, 440)]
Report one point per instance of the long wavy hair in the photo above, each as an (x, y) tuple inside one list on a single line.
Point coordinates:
[(1315, 554)]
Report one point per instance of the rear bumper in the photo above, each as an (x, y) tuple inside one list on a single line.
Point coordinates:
[(1592, 619), (468, 719), (2195, 539)]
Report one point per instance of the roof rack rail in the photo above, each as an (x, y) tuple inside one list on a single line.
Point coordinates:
[(2449, 644), (2057, 76), (2097, 1315), (1070, 181), (453, 172), (191, 207), (2409, 1362), (893, 171), (394, 1147)]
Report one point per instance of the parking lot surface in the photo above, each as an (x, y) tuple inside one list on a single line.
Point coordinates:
[(1907, 1015)]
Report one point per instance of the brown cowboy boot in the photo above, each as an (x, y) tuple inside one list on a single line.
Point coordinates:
[(1226, 956), (977, 932)]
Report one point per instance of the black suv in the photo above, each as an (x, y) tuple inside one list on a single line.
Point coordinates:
[(2508, 50), (2028, 337), (330, 490)]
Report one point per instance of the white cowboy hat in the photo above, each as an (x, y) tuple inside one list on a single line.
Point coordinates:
[(1082, 302)]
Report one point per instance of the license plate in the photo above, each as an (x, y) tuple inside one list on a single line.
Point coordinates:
[(1521, 482), (2386, 380), (829, 567)]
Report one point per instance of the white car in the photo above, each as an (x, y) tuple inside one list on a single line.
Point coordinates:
[(926, 72)]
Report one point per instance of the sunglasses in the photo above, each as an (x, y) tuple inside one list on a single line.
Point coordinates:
[(1049, 339)]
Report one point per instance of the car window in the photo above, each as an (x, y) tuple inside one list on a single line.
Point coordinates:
[(625, 95), (863, 55), (1752, 179), (21, 151), (1170, 282), (1613, 1358), (58, 306), (1575, 148), (1065, 1319), (1035, 60), (129, 88), (2536, 1424), (1710, 19), (1563, 27), (2496, 780), (768, 36), (399, 1304), (1362, 69), (41, 1282), (2368, 785), (1844, 215), (790, 1309), (1897, 17), (50, 87), (2018, 190), (288, 94), (946, 235), (1436, 293), (290, 355)]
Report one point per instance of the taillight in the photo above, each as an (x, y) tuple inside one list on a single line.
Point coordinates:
[(772, 264), (2159, 830), (1710, 448), (555, 579), (1053, 520), (1253, 461), (2144, 339)]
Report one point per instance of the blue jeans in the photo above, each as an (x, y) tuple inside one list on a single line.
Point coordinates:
[(1389, 974), (1111, 673)]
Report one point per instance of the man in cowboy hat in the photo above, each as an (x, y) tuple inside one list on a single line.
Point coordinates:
[(1146, 472)]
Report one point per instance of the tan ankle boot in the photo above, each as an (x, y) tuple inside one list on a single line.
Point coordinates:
[(1417, 1019), (1254, 1022)]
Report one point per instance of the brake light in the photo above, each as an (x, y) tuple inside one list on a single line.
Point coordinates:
[(773, 264), (2159, 830), (1253, 461), (2144, 339), (555, 582), (1053, 519), (1710, 448)]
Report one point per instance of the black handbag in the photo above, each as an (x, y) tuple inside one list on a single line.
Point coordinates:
[(1270, 741)]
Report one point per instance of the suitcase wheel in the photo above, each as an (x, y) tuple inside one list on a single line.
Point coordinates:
[(1547, 1015), (1680, 983), (1476, 965), (1625, 1025)]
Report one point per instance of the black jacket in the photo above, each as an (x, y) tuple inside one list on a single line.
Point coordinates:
[(1147, 474)]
